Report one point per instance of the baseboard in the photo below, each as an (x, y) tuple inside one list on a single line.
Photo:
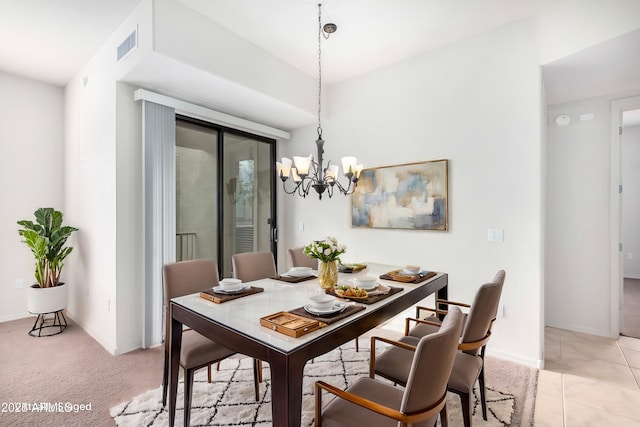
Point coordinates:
[(15, 317), (93, 334), (510, 357)]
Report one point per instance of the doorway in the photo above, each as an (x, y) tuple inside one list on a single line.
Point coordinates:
[(630, 222), (225, 198), (623, 244)]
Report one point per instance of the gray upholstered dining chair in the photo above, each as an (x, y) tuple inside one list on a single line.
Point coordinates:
[(250, 266), (197, 351), (469, 362), (370, 402), (299, 259)]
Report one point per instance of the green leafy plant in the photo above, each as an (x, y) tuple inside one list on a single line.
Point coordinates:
[(326, 250), (47, 238)]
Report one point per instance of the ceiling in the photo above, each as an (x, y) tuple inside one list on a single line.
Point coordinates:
[(51, 40)]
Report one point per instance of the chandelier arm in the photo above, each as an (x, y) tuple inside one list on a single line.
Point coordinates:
[(284, 187)]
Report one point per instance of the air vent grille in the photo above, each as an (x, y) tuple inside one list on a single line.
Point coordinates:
[(128, 45)]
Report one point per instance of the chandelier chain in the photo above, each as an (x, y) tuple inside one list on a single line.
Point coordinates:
[(319, 69)]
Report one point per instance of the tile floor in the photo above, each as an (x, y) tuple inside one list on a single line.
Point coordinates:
[(588, 381)]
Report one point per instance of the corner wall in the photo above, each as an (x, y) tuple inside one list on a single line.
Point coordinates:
[(477, 103), (31, 171), (578, 291)]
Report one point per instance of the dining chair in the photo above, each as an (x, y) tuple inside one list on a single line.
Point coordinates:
[(299, 259), (197, 351), (468, 366), (371, 402), (250, 266)]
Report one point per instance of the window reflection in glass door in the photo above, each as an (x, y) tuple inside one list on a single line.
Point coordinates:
[(224, 199)]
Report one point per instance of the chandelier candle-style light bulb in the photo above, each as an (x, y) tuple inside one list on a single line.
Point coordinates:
[(349, 164), (309, 173), (283, 168), (294, 174), (302, 164), (332, 174)]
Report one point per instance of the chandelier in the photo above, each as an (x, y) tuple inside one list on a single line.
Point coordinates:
[(307, 172)]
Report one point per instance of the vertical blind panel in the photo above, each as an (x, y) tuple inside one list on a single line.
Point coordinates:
[(159, 134)]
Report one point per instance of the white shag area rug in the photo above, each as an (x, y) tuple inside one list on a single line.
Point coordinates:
[(229, 399)]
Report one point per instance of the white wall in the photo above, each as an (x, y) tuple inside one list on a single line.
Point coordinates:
[(31, 171), (477, 103), (569, 26), (631, 201), (578, 240)]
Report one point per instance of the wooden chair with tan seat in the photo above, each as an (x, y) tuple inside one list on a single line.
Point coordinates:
[(197, 351), (250, 266), (370, 402), (299, 259), (469, 361)]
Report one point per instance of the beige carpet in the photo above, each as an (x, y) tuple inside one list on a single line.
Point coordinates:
[(73, 368), (68, 368), (229, 400)]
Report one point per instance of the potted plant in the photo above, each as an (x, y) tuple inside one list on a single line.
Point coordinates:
[(47, 238)]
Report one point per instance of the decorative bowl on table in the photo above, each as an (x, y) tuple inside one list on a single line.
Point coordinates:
[(228, 284), (365, 282), (322, 301), (300, 271), (411, 270)]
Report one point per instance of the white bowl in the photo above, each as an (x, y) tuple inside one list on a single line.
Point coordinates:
[(229, 284), (300, 271), (411, 269), (366, 282), (322, 301)]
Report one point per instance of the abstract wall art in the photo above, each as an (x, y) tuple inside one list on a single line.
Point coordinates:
[(411, 196)]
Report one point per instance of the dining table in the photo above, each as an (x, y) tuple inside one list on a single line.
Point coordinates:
[(236, 324)]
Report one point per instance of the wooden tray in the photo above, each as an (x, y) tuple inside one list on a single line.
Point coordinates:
[(290, 324), (397, 276)]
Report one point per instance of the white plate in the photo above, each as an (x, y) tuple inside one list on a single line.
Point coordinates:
[(409, 272), (337, 307), (219, 290), (294, 273)]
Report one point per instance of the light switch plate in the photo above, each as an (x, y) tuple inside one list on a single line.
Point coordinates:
[(495, 235)]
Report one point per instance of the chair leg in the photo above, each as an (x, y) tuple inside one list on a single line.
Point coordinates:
[(483, 397), (188, 389), (218, 366), (165, 377), (209, 374), (257, 377), (357, 345), (444, 421), (466, 408)]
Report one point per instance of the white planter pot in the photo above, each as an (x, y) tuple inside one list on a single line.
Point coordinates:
[(46, 300)]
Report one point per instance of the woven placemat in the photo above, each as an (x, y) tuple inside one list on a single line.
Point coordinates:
[(396, 276), (370, 299), (291, 279), (348, 311), (220, 298)]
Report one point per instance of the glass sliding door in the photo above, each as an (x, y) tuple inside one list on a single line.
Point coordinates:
[(225, 203), (248, 206), (196, 192)]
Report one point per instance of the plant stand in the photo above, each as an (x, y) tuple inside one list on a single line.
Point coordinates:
[(59, 321)]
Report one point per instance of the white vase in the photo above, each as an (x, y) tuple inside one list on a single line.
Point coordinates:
[(46, 300)]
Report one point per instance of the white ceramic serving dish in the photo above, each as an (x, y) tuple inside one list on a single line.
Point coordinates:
[(322, 302), (229, 284), (411, 269), (300, 271), (365, 282)]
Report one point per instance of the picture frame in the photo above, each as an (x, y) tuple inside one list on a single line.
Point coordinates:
[(411, 196)]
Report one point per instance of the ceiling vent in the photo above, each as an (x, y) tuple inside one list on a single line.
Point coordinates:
[(128, 45)]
